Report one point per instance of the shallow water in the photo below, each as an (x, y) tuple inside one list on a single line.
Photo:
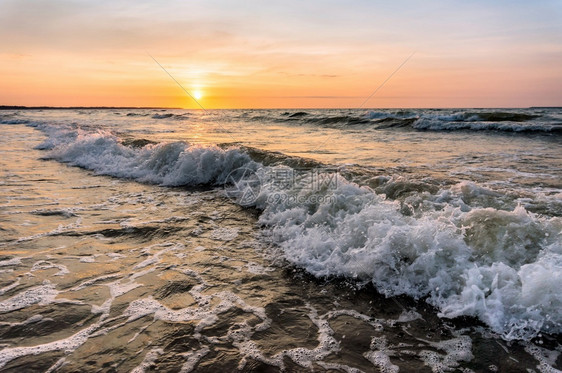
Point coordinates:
[(112, 274)]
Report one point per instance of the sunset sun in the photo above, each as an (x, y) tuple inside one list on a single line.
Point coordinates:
[(197, 94)]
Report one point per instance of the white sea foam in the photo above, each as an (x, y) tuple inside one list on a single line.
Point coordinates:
[(546, 358), (379, 355), (462, 257), (88, 259), (10, 262), (148, 361), (338, 367), (192, 359), (42, 295), (241, 334), (456, 350), (485, 262), (57, 365), (67, 345), (44, 265), (7, 288), (224, 234), (170, 164)]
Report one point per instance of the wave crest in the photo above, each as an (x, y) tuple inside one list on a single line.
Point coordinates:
[(502, 266), (169, 164)]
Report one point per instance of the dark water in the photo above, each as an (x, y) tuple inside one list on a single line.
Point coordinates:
[(281, 240)]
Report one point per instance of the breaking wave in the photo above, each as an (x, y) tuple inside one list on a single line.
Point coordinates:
[(503, 266), (169, 164)]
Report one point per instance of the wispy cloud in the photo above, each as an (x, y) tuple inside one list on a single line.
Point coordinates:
[(291, 49)]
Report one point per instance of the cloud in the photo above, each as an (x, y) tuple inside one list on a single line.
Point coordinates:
[(302, 47)]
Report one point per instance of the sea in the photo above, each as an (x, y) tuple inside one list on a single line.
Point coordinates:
[(348, 240)]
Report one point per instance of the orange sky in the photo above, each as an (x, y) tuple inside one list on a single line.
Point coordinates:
[(296, 55)]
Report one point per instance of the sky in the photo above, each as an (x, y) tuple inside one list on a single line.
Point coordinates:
[(289, 54)]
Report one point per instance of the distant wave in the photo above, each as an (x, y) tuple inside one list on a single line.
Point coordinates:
[(332, 120), (502, 266), (170, 116), (322, 120), (392, 122), (13, 121), (162, 116), (298, 114), (498, 116), (467, 120), (502, 121), (438, 125)]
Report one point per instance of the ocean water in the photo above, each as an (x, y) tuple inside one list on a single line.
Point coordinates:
[(281, 240)]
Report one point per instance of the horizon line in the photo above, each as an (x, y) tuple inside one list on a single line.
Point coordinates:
[(46, 107)]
